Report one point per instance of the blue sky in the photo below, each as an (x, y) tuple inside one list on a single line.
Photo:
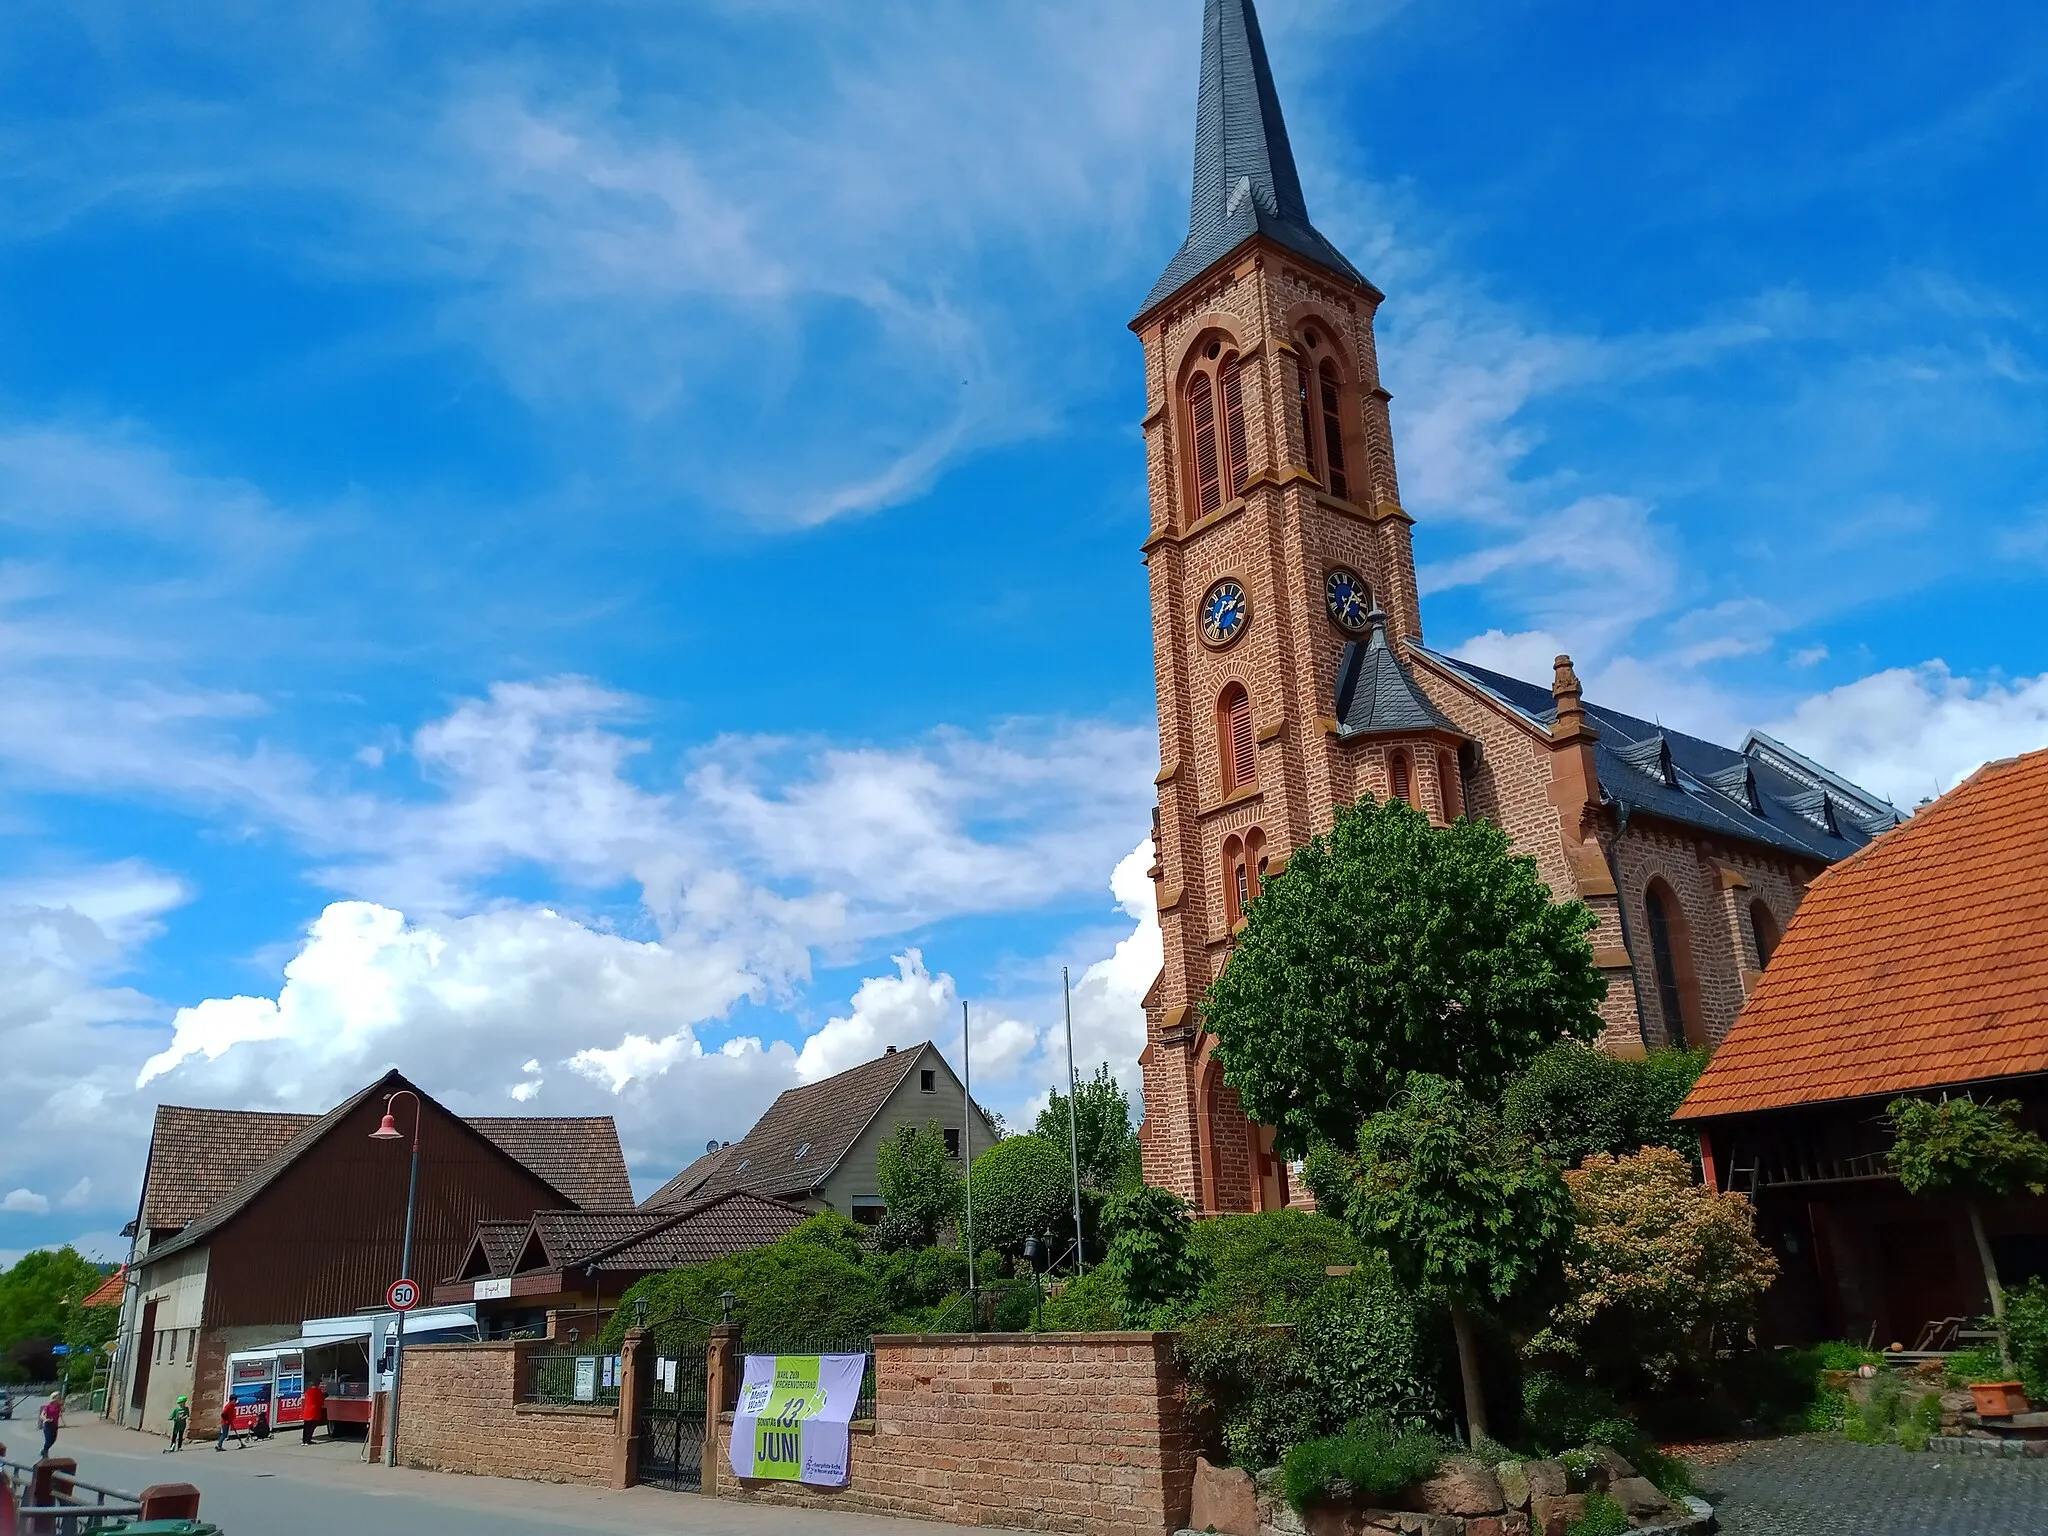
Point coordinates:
[(604, 539)]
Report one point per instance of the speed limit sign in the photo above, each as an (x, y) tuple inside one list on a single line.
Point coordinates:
[(403, 1296)]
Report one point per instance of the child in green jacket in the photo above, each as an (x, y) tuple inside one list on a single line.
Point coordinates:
[(181, 1415)]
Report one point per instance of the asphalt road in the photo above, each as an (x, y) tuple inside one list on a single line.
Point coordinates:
[(281, 1489)]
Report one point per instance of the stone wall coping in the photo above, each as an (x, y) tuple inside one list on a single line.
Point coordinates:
[(566, 1410), (1015, 1340), (470, 1344)]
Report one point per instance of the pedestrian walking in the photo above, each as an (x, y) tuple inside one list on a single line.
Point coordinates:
[(314, 1411), (52, 1415), (181, 1415), (227, 1424)]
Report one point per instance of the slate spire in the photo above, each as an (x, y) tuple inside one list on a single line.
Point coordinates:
[(1245, 180)]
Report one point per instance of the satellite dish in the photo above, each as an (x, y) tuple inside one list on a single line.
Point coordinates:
[(711, 1145)]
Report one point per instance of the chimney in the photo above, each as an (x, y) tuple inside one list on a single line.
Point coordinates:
[(889, 1050)]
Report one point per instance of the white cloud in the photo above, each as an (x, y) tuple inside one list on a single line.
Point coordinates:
[(1911, 732), (25, 1202), (78, 1194)]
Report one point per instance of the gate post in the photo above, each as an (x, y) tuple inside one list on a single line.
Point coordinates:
[(721, 1391), (636, 1391)]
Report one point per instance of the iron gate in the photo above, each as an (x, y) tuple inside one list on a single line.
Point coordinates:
[(672, 1439)]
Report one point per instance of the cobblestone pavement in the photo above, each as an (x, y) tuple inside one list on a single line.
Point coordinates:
[(1817, 1485)]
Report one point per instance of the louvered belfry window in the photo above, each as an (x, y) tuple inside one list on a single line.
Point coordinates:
[(1202, 419), (1240, 749), (1233, 426), (1307, 408), (1397, 778), (1333, 432)]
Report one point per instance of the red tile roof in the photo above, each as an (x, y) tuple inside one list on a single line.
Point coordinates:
[(109, 1292), (1920, 961)]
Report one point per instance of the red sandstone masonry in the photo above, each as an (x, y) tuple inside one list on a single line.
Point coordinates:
[(1041, 1432), (461, 1414)]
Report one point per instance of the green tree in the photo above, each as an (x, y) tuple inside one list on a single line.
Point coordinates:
[(1021, 1190), (1152, 1261), (1978, 1151), (1390, 947), (919, 1183), (1102, 1127), (1574, 1101), (40, 1296), (1459, 1204)]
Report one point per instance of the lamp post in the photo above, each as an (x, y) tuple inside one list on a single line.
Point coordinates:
[(389, 1131)]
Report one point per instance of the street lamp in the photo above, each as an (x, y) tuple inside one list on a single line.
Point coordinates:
[(389, 1131)]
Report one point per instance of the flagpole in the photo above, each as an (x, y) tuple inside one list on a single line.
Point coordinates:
[(1073, 1130), (967, 1159)]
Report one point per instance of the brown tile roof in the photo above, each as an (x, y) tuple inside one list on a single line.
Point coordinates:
[(1919, 962), (821, 1119), (200, 1156), (711, 1229), (573, 1149), (581, 1156), (681, 1189), (571, 1237), (109, 1292)]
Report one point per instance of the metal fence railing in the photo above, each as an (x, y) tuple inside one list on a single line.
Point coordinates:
[(71, 1507), (859, 1344), (572, 1378)]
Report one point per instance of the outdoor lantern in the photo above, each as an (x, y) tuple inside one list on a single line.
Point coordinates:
[(389, 1130), (727, 1300)]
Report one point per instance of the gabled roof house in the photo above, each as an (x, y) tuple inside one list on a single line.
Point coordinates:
[(252, 1222), (1916, 966)]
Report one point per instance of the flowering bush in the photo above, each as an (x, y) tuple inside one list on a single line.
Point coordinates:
[(1657, 1261)]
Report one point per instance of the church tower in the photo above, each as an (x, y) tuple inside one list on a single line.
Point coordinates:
[(1283, 589)]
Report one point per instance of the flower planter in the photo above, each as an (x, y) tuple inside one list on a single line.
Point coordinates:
[(1998, 1399)]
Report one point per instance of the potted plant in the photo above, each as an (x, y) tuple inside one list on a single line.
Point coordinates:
[(1998, 1399)]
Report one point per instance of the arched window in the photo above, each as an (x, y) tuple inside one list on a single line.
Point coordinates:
[(1254, 861), (1398, 777), (1237, 893), (1202, 431), (1236, 445), (1306, 405), (1763, 925), (1671, 959), (1450, 791), (1219, 451), (1235, 739), (1333, 431)]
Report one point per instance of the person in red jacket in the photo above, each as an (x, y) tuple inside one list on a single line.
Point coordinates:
[(314, 1410)]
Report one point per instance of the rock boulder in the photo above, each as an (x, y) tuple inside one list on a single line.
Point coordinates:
[(1463, 1487), (1225, 1501)]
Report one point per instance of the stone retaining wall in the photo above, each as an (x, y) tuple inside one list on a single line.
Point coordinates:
[(1040, 1432)]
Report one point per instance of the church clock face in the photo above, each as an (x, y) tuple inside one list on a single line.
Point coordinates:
[(1344, 592), (1224, 612)]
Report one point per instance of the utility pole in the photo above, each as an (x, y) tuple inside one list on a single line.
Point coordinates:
[(1073, 1124)]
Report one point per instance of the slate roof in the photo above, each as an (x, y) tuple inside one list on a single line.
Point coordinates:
[(190, 1169), (685, 1185), (823, 1119), (579, 1155), (1763, 793), (1920, 963), (1246, 183), (1375, 694)]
